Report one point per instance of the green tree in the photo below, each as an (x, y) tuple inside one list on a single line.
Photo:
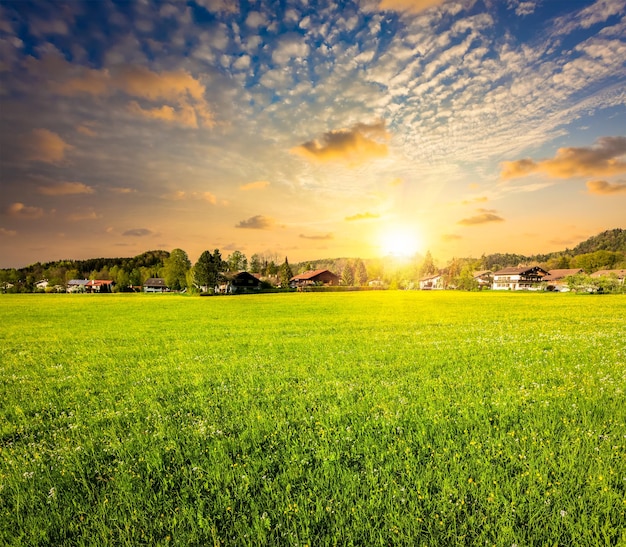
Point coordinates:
[(347, 274), (176, 268), (255, 263), (285, 274), (428, 265), (237, 262), (360, 272), (208, 269)]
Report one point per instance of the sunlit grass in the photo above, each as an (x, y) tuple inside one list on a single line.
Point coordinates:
[(376, 418)]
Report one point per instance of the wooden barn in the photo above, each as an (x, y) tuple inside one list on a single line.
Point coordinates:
[(314, 277)]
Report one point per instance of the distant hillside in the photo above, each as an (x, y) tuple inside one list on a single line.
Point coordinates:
[(611, 240)]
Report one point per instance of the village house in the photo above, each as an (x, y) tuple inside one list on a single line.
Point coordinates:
[(432, 282), (314, 277), (518, 279), (556, 280), (484, 278), (155, 284), (99, 286), (76, 285), (619, 274), (240, 282)]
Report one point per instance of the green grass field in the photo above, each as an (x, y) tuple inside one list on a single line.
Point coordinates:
[(376, 418)]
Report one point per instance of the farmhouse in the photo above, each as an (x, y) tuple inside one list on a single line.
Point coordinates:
[(484, 278), (518, 279), (619, 274), (432, 282), (99, 286), (155, 284), (557, 279), (77, 285), (240, 282), (314, 277)]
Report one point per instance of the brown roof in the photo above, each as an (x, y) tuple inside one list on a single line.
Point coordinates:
[(310, 275), (511, 270), (482, 272), (555, 275)]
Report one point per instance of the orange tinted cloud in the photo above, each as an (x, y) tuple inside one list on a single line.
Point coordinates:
[(257, 185), (353, 146), (19, 210), (258, 222), (485, 216), (414, 6), (184, 94), (603, 187), (602, 159), (66, 189), (8, 233), (317, 237), (362, 216), (44, 146)]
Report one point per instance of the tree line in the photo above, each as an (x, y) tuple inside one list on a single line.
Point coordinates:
[(604, 251)]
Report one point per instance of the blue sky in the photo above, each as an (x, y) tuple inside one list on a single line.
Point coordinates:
[(309, 129)]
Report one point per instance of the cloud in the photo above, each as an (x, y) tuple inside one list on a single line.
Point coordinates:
[(86, 130), (480, 199), (603, 187), (396, 182), (414, 6), (362, 216), (451, 237), (7, 233), (352, 146), (66, 189), (44, 146), (317, 237), (184, 94), (258, 222), (19, 210), (86, 215), (485, 216), (257, 185), (206, 196), (180, 195), (256, 19), (122, 190), (599, 160), (137, 232), (291, 46)]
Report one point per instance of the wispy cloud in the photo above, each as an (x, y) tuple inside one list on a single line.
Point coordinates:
[(257, 222), (7, 233), (600, 160), (485, 216), (451, 237), (65, 189), (362, 216), (361, 143), (317, 236), (603, 187), (137, 232), (84, 215), (414, 6), (19, 210), (257, 185), (44, 146)]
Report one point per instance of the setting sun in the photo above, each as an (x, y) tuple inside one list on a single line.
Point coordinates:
[(401, 241)]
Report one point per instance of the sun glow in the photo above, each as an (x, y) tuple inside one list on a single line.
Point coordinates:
[(402, 241)]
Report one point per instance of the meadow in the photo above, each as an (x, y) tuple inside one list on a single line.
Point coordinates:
[(375, 418)]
